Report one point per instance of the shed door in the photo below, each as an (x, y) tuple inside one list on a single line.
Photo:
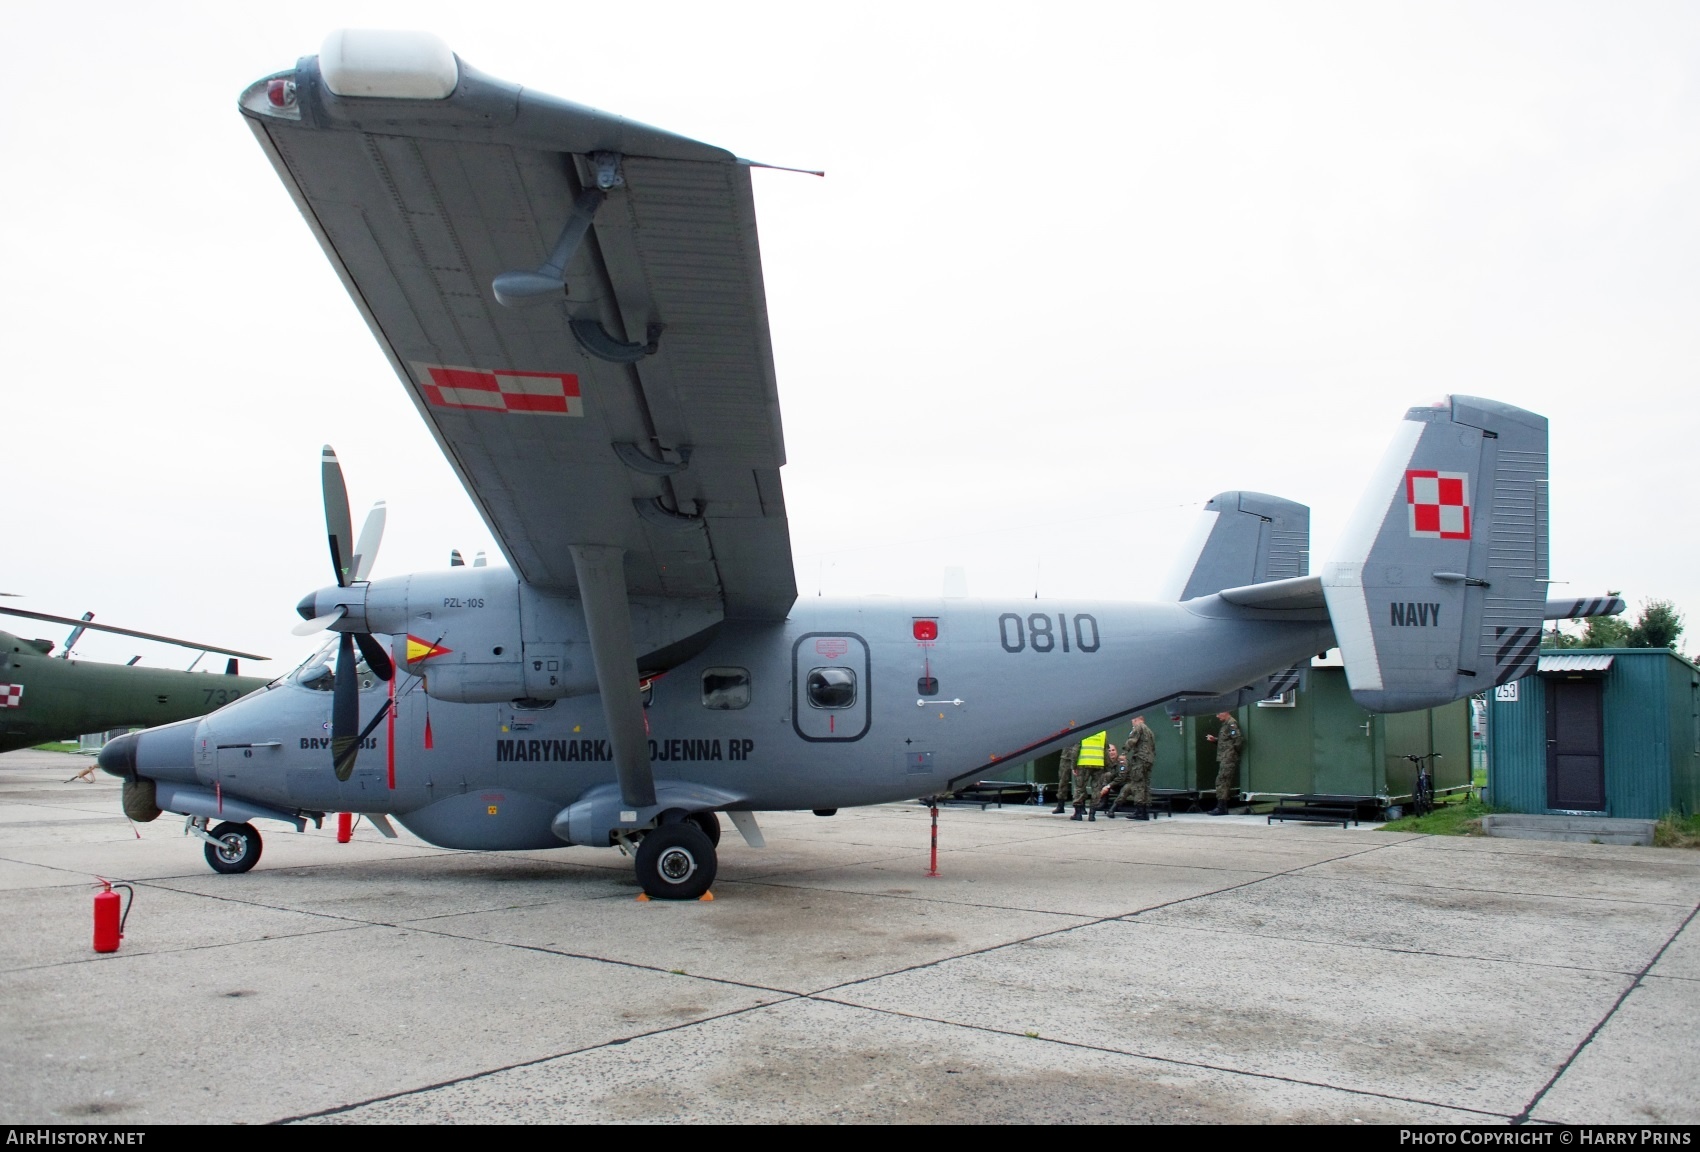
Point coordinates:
[(1576, 763)]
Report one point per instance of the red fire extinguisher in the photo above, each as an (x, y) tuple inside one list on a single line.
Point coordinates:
[(344, 827), (108, 923)]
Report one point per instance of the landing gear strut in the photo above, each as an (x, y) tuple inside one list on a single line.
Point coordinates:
[(675, 861)]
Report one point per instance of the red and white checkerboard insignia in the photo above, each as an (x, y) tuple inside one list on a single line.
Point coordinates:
[(1440, 504), (11, 695), (472, 389)]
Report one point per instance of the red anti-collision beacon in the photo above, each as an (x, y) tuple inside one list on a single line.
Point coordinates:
[(108, 923)]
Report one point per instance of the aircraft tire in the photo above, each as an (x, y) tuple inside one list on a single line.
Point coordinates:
[(710, 825), (139, 800), (675, 862), (239, 850)]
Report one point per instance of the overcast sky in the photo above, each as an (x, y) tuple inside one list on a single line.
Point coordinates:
[(1074, 269)]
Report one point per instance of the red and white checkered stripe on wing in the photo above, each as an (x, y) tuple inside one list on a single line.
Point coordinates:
[(1439, 504), (473, 389)]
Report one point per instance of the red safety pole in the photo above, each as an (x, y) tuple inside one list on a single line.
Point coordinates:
[(933, 869), (344, 827)]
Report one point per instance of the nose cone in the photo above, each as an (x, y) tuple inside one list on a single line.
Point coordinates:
[(163, 753), (119, 756)]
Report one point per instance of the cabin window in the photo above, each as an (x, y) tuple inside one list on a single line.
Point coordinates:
[(726, 689), (831, 688)]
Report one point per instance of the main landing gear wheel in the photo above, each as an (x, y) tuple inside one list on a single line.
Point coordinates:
[(710, 825), (675, 862), (237, 850)]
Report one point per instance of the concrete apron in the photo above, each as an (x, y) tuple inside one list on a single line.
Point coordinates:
[(1191, 970)]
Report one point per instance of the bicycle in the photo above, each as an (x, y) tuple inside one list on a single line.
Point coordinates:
[(1422, 792)]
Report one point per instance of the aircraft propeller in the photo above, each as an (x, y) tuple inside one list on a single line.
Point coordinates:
[(351, 561)]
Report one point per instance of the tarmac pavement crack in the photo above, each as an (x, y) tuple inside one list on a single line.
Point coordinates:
[(486, 1073), (1640, 978)]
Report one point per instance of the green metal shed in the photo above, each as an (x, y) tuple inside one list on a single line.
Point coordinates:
[(1315, 741), (1598, 731), (1320, 742)]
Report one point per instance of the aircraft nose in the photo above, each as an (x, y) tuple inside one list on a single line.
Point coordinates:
[(118, 758), (163, 753)]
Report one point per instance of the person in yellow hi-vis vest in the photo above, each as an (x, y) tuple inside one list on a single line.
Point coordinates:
[(1088, 768)]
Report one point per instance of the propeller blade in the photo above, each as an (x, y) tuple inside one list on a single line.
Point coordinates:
[(366, 549), (338, 527), (376, 658), (316, 624), (345, 710)]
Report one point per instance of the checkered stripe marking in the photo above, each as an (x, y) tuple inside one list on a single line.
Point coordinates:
[(1439, 504), (11, 695), (530, 393)]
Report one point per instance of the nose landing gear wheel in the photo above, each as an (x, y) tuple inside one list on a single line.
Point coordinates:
[(676, 862), (237, 850)]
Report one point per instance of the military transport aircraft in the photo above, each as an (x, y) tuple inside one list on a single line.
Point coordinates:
[(573, 303), (52, 697)]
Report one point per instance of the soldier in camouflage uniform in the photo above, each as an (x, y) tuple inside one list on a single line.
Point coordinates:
[(1141, 754), (1065, 777), (1088, 776), (1229, 740)]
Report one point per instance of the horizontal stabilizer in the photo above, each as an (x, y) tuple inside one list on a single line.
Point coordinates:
[(1301, 593), (1584, 608)]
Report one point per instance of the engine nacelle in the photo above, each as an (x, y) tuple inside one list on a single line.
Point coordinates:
[(479, 636)]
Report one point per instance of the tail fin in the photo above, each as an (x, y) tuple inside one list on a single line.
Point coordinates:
[(1440, 587), (1244, 538)]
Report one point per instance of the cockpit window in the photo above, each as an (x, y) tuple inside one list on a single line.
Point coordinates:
[(318, 671)]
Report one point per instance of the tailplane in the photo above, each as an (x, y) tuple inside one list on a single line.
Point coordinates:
[(1440, 587)]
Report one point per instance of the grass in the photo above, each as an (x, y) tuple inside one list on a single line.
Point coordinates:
[(1453, 817), (58, 746), (1677, 831)]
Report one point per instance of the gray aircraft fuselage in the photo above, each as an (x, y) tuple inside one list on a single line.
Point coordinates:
[(1003, 682)]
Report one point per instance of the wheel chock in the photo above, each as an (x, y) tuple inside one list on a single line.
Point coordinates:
[(705, 897), (643, 897)]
